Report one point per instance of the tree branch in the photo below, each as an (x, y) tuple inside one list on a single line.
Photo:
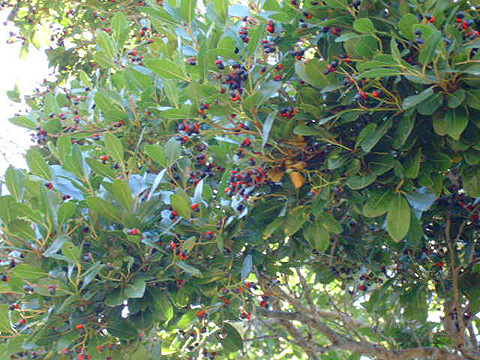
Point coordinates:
[(341, 342)]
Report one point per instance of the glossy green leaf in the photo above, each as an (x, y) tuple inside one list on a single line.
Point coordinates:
[(414, 100), (412, 164), (187, 9), (37, 164), (378, 203), (364, 25), (105, 209), (13, 182), (166, 69), (65, 212), (398, 217), (157, 154), (114, 147), (28, 272), (135, 289), (317, 235), (183, 204), (295, 220), (22, 229), (455, 121), (431, 46), (172, 150), (357, 182), (189, 268), (71, 251), (4, 319), (105, 42), (122, 329), (56, 245), (101, 169), (123, 193), (455, 99), (471, 180)]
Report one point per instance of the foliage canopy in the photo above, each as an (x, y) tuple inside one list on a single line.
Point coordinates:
[(280, 180)]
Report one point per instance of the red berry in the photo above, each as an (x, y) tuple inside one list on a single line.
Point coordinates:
[(104, 158), (135, 232), (23, 321), (201, 313)]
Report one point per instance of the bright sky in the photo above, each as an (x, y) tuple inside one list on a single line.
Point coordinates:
[(28, 74)]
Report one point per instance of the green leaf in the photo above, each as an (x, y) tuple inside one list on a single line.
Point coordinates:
[(105, 42), (317, 235), (4, 319), (357, 182), (305, 130), (187, 9), (105, 209), (76, 163), (338, 4), (367, 46), (135, 289), (56, 245), (186, 320), (364, 25), (381, 72), (24, 210), (22, 230), (329, 222), (455, 99), (37, 164), (71, 251), (267, 126), (172, 150), (116, 297), (233, 342), (403, 130), (157, 154), (429, 106), (379, 164), (23, 121), (455, 121), (414, 100), (101, 169), (123, 193), (221, 7), (65, 212), (120, 28), (406, 25), (166, 69), (183, 204), (412, 165), (28, 272), (114, 147), (369, 142), (295, 220), (64, 146), (189, 268), (431, 45), (162, 305), (13, 182), (247, 266), (378, 203), (123, 329), (398, 217), (471, 180), (314, 73)]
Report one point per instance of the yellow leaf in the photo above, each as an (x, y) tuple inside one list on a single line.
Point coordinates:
[(297, 179)]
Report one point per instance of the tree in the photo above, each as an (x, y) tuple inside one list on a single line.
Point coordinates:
[(278, 180)]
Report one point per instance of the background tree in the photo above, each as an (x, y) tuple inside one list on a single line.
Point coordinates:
[(277, 180)]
